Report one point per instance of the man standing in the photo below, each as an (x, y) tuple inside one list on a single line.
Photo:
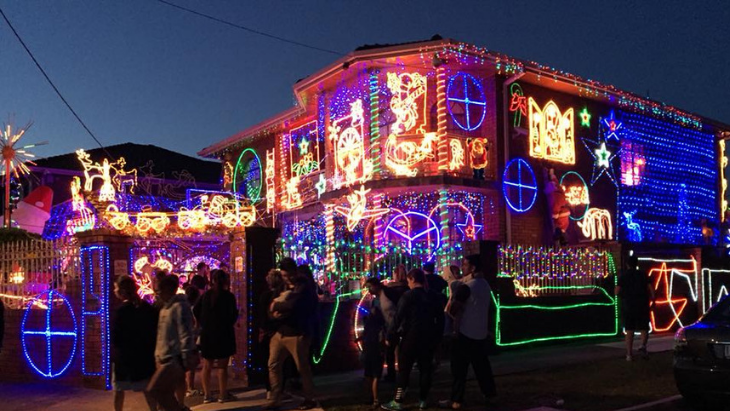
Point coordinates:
[(470, 345), (394, 290), (372, 338), (419, 322), (434, 281), (175, 349), (296, 317), (636, 294)]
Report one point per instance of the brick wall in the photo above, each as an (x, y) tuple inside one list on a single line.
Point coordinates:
[(14, 366)]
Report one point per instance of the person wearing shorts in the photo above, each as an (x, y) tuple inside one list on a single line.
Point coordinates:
[(636, 295), (218, 313)]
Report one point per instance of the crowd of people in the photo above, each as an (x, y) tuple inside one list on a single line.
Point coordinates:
[(157, 348), (407, 321)]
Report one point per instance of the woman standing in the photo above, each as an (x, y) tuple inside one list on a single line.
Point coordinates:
[(218, 314)]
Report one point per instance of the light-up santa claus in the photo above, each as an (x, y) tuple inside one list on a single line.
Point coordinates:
[(34, 210)]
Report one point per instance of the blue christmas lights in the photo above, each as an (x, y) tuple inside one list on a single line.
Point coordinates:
[(95, 304), (678, 185), (402, 226), (466, 90), (49, 334), (519, 185)]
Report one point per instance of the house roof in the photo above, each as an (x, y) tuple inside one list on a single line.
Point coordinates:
[(509, 65), (138, 155)]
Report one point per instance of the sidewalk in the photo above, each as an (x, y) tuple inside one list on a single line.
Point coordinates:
[(28, 397), (510, 362)]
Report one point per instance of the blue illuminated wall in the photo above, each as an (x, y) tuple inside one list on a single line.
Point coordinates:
[(95, 312), (678, 184)]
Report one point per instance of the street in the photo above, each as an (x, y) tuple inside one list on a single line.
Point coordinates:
[(574, 376)]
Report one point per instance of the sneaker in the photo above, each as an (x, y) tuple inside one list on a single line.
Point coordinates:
[(392, 406), (629, 358), (226, 398), (644, 353), (208, 400), (192, 393), (422, 405), (376, 404), (308, 405)]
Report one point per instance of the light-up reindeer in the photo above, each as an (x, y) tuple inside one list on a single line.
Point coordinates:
[(634, 233)]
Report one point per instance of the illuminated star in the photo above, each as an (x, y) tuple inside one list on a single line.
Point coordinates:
[(612, 126), (675, 304), (469, 230), (321, 185), (303, 147), (585, 117), (603, 156)]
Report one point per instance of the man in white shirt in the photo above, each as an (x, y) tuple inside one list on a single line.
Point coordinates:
[(470, 344)]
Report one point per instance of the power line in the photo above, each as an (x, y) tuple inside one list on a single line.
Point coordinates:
[(250, 30), (51, 83)]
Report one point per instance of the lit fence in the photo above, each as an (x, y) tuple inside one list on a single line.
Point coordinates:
[(31, 267), (537, 271), (353, 262)]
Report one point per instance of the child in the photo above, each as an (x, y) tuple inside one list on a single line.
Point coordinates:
[(372, 340), (455, 307)]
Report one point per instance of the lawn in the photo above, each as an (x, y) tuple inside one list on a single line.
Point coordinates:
[(602, 385)]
